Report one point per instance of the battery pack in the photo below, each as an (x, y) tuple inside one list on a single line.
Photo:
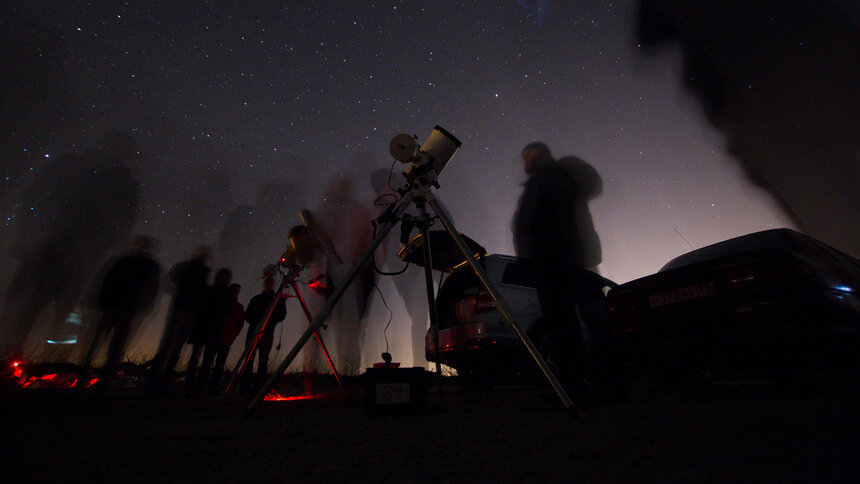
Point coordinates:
[(394, 391)]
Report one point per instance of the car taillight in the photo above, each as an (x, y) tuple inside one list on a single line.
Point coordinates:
[(779, 270), (740, 275), (624, 305), (465, 308), (484, 302)]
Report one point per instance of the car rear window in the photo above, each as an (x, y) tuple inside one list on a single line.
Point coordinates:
[(519, 275)]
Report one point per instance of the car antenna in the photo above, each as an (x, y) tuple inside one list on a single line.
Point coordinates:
[(682, 236)]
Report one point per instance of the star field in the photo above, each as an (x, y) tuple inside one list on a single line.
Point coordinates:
[(224, 97)]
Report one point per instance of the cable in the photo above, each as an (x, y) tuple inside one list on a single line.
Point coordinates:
[(390, 316), (379, 203), (373, 260), (382, 273), (390, 173)]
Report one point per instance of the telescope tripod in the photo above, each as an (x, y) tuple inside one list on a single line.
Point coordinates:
[(417, 192), (288, 281)]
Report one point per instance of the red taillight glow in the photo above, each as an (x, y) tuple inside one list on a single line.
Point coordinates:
[(484, 302), (466, 308), (623, 305)]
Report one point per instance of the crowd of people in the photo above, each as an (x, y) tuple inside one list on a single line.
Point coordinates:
[(205, 317), (552, 227)]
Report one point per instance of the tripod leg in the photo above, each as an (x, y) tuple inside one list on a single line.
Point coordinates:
[(317, 335), (431, 298), (392, 217), (500, 303), (246, 357)]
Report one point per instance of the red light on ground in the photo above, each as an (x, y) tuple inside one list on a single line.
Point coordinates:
[(275, 396), (272, 398), (16, 364)]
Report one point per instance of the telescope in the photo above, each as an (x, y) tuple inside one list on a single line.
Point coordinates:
[(428, 159), (425, 163), (307, 240)]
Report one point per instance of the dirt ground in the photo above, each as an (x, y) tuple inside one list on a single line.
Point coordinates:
[(719, 432)]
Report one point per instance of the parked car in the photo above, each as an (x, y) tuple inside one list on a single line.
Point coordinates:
[(475, 339), (772, 300)]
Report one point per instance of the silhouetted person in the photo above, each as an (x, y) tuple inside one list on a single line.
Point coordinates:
[(255, 235), (410, 285), (347, 222), (255, 313), (189, 284), (127, 293), (74, 211), (206, 330), (553, 229), (230, 329)]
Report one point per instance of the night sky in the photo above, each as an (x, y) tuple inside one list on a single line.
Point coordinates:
[(223, 97)]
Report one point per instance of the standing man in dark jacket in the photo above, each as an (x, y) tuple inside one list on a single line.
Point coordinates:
[(551, 230), (254, 315), (127, 293), (206, 330)]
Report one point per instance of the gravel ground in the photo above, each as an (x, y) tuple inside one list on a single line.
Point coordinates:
[(729, 432)]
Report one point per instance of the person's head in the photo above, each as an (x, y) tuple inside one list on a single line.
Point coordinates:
[(235, 288), (119, 146), (203, 254), (144, 244), (223, 276), (535, 155), (268, 284)]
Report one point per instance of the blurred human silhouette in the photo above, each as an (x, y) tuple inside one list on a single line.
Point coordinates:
[(553, 229), (347, 222), (205, 335), (125, 295), (256, 235), (230, 329), (780, 79), (75, 210), (410, 285), (189, 285), (256, 311)]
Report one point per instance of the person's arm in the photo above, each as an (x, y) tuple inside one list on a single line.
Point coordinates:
[(280, 311)]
